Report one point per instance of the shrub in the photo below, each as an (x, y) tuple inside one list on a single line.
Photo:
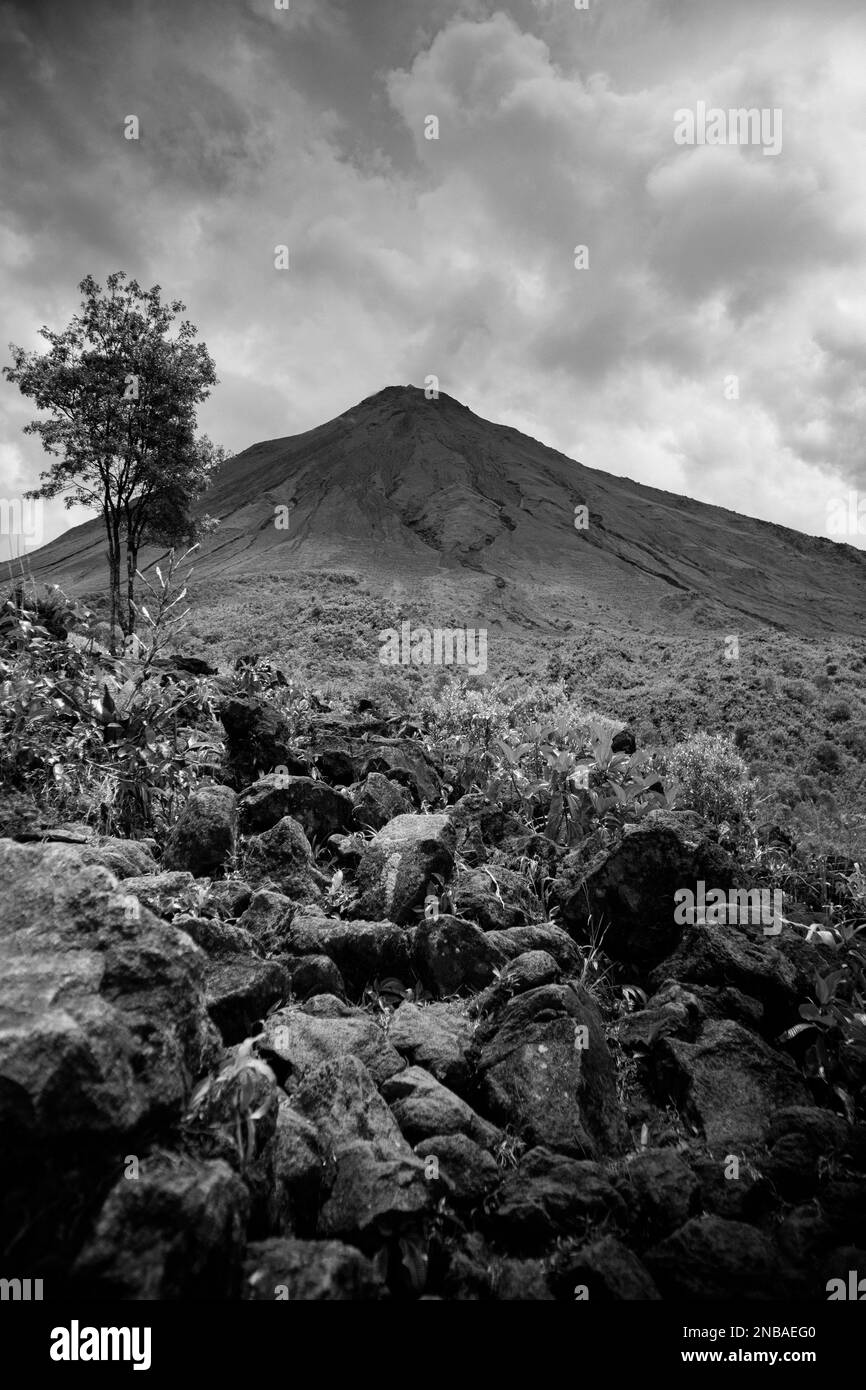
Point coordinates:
[(787, 794), (712, 777), (99, 738), (825, 758), (791, 666), (808, 789), (839, 711), (800, 691), (854, 739)]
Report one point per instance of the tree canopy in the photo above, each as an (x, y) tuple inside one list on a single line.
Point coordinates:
[(120, 391)]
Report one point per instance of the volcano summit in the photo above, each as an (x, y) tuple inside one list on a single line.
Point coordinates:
[(408, 494)]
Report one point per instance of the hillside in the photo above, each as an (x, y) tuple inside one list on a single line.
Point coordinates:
[(447, 515)]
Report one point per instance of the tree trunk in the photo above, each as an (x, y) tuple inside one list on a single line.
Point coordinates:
[(131, 568), (114, 584)]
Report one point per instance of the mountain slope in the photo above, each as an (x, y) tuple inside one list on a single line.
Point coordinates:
[(425, 500)]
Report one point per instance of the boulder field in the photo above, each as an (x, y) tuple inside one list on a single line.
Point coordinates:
[(236, 1073)]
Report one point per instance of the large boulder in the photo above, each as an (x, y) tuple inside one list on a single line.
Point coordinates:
[(728, 1082), (400, 861), (378, 800), (466, 1171), (529, 970), (300, 1038), (450, 955), (346, 751), (205, 835), (297, 1163), (436, 1037), (404, 760), (712, 1259), (313, 975), (123, 858), (318, 809), (660, 1190), (480, 824), (258, 740), (551, 1195), (167, 893), (376, 1183), (362, 951), (495, 898), (605, 1271), (283, 855), (103, 1018), (269, 913), (672, 1011), (737, 956), (544, 1068), (240, 990), (630, 887), (309, 1271), (542, 936), (423, 1107), (227, 899), (240, 986), (216, 938), (175, 1231)]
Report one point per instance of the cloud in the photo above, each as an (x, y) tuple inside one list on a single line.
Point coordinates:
[(456, 256)]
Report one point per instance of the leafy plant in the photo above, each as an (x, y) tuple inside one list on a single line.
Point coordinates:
[(97, 736), (835, 1019), (712, 778), (236, 1099)]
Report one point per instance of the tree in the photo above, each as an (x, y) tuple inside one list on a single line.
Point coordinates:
[(121, 397)]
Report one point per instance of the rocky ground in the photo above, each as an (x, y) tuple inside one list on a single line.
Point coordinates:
[(229, 1073)]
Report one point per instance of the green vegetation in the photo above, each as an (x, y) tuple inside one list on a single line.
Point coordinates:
[(807, 761), (117, 743), (88, 737)]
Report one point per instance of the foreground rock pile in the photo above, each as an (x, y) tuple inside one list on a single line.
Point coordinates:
[(230, 1074)]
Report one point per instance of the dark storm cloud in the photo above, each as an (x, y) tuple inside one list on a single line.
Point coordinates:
[(456, 257)]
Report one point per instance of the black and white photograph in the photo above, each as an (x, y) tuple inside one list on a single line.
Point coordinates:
[(432, 676)]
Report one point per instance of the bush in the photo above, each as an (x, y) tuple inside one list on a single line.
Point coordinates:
[(854, 739), (808, 789), (93, 737), (800, 691), (791, 666), (839, 711), (712, 777), (743, 735), (825, 758)]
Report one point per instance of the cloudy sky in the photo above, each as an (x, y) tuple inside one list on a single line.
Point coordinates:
[(714, 344)]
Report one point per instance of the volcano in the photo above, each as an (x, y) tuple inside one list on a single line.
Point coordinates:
[(414, 495)]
